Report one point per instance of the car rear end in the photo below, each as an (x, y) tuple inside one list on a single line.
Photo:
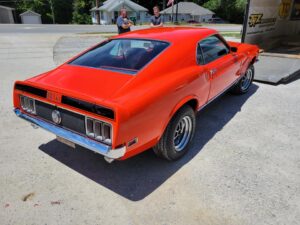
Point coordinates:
[(73, 120)]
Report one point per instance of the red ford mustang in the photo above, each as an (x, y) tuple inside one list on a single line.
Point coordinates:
[(136, 91)]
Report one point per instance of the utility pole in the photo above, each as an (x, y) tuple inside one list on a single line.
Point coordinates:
[(53, 16), (97, 12), (176, 15), (173, 12)]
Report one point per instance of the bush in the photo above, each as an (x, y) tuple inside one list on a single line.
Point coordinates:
[(231, 10)]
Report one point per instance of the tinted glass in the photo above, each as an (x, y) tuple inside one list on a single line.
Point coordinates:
[(213, 48), (200, 58), (122, 55)]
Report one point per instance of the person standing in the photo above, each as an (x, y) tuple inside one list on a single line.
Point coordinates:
[(123, 22), (156, 19)]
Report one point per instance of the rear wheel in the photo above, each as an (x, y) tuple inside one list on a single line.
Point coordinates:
[(245, 82), (178, 135)]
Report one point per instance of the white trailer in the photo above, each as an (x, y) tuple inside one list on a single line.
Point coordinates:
[(274, 25)]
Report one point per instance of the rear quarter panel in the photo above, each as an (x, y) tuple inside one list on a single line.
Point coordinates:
[(169, 83)]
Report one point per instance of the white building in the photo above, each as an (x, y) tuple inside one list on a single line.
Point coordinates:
[(6, 14), (110, 9), (188, 11), (30, 17)]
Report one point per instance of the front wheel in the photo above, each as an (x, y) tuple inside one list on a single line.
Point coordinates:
[(245, 82), (178, 135)]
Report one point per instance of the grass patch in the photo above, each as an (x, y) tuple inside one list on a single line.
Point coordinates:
[(231, 34)]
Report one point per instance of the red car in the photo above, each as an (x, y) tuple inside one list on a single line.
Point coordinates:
[(137, 91)]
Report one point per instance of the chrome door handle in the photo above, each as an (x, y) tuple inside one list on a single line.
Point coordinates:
[(213, 71)]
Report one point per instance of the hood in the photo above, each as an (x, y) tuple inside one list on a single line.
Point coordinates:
[(83, 81)]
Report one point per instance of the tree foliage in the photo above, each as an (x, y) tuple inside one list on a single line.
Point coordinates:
[(231, 10), (40, 6), (81, 11), (78, 11), (62, 10)]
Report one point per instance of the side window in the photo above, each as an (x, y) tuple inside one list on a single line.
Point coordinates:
[(199, 56), (213, 48)]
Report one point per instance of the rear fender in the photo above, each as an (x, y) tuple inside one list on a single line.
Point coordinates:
[(178, 106)]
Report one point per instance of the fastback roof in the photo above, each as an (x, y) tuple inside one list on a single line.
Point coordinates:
[(170, 34)]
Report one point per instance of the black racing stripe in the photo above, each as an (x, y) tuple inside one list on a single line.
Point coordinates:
[(89, 107)]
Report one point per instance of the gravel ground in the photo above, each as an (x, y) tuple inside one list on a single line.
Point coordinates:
[(243, 168)]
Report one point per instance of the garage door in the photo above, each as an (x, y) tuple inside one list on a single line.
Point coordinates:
[(31, 19)]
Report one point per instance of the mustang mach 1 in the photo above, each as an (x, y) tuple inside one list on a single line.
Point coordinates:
[(136, 91)]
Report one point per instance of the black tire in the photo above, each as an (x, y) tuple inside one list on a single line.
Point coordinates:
[(244, 83), (166, 147)]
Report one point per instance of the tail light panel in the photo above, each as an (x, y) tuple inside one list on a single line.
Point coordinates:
[(28, 104), (98, 130)]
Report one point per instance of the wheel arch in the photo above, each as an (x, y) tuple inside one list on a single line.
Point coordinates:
[(191, 101), (254, 59)]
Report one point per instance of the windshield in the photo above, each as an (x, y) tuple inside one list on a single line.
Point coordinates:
[(121, 55)]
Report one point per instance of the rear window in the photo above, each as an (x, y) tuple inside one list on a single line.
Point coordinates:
[(121, 55)]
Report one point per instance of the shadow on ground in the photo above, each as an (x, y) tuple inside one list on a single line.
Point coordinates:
[(139, 176), (294, 77)]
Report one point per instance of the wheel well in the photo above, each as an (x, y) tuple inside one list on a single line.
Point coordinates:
[(193, 103), (253, 61)]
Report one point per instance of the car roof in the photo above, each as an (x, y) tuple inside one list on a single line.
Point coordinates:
[(170, 34)]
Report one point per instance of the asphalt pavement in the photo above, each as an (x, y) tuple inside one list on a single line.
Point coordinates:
[(243, 167)]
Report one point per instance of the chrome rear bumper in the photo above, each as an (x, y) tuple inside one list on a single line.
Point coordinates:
[(85, 142)]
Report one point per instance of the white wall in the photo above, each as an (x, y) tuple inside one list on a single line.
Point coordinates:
[(205, 18), (187, 17), (269, 34), (6, 16), (31, 19), (106, 17)]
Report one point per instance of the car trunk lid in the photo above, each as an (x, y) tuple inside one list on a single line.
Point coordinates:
[(83, 81)]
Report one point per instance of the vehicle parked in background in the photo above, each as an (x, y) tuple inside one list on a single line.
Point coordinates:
[(192, 21), (217, 20), (136, 91)]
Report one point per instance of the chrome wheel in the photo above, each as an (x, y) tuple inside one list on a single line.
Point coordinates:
[(182, 133), (246, 80)]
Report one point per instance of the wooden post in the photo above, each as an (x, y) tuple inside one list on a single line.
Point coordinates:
[(97, 12), (176, 15)]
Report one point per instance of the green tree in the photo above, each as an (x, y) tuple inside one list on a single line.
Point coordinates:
[(40, 6), (231, 10), (81, 11), (62, 9)]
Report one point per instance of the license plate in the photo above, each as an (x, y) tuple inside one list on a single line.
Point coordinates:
[(66, 142)]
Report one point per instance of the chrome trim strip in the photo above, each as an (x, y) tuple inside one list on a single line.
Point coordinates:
[(85, 142)]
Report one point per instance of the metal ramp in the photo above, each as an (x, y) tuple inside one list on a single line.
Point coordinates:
[(275, 69)]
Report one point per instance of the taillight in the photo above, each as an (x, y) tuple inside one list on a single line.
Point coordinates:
[(28, 104), (98, 130)]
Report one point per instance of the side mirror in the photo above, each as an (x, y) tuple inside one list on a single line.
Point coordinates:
[(233, 49)]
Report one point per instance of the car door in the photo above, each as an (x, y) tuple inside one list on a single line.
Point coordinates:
[(220, 64)]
